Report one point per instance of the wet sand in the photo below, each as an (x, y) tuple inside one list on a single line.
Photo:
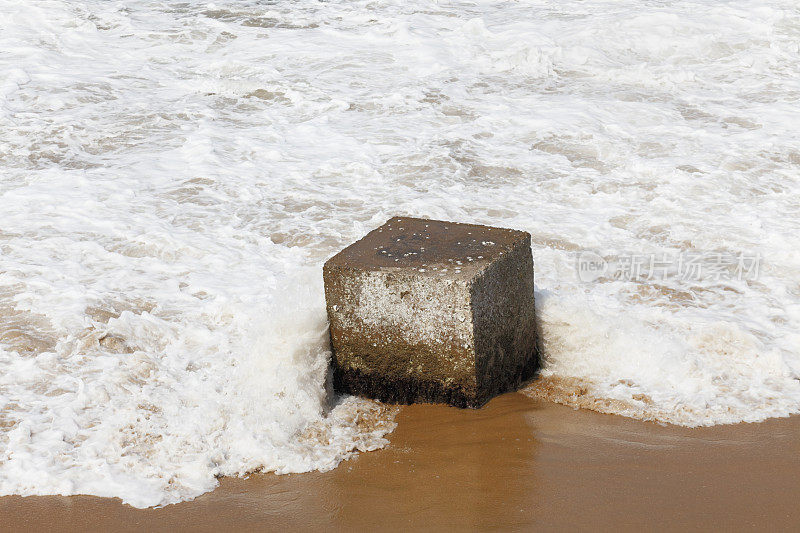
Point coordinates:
[(517, 463)]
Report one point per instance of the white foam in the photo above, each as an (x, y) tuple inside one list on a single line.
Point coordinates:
[(173, 176)]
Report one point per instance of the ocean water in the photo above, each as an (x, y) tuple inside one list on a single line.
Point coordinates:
[(173, 175)]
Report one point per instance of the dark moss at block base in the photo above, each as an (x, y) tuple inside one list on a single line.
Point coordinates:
[(414, 390)]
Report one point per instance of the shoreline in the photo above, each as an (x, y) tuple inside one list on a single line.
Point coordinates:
[(516, 463)]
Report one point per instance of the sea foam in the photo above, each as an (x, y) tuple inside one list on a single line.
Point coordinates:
[(175, 173)]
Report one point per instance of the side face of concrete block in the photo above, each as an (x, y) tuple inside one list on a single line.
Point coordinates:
[(504, 320), (432, 311), (401, 337)]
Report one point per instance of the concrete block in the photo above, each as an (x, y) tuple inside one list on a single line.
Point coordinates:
[(432, 311)]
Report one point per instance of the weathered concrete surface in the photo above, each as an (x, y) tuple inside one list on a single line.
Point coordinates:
[(431, 311)]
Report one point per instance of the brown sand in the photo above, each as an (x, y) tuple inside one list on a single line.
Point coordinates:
[(516, 463)]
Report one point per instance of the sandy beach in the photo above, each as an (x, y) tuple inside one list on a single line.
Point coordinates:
[(515, 464)]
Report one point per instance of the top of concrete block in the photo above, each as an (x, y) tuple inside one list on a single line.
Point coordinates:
[(431, 247)]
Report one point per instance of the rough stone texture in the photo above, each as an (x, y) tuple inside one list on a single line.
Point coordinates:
[(431, 311)]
